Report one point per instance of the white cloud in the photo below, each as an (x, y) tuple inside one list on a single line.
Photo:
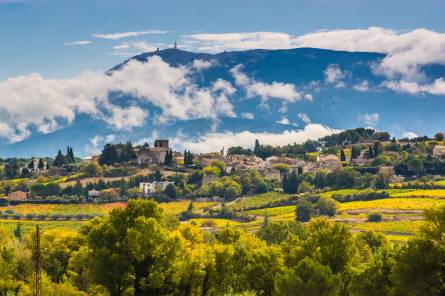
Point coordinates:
[(435, 88), (46, 104), (362, 86), (96, 143), (81, 42), (238, 41), (409, 135), (406, 50), (369, 118), (215, 141), (283, 120), (126, 118), (276, 90), (247, 115), (334, 75), (133, 48), (202, 65), (117, 36), (304, 117)]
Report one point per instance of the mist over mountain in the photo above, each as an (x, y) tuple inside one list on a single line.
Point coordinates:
[(279, 95)]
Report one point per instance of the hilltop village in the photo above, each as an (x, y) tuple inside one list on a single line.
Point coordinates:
[(360, 158)]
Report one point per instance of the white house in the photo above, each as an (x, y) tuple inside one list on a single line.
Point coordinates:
[(93, 193), (150, 188)]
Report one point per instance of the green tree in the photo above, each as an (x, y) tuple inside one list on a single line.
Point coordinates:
[(308, 278), (132, 246), (304, 212), (342, 155)]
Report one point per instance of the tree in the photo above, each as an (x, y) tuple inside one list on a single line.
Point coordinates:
[(256, 147), (355, 151), (342, 155), (418, 268), (439, 136), (171, 191), (382, 181), (291, 182), (415, 166), (308, 278), (92, 169), (109, 155), (370, 153), (378, 149), (11, 168), (304, 212), (60, 159), (70, 155), (41, 165), (168, 157), (132, 247)]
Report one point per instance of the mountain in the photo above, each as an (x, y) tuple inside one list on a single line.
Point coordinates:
[(336, 89)]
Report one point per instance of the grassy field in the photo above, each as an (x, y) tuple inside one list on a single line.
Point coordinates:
[(399, 227), (271, 212), (259, 201)]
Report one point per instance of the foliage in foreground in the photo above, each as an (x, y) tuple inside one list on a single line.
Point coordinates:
[(137, 250)]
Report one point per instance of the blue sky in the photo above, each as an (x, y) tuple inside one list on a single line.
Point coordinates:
[(34, 33)]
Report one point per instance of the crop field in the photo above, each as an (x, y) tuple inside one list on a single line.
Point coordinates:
[(438, 193), (271, 212), (399, 227), (28, 226), (95, 209), (259, 201), (392, 204)]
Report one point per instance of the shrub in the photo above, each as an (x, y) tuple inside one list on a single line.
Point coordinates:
[(208, 223), (42, 217), (303, 212), (374, 217), (30, 216)]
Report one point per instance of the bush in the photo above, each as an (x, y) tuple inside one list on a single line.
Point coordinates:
[(30, 216), (303, 212), (374, 217), (208, 223)]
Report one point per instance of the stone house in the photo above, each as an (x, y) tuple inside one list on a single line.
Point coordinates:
[(439, 151), (153, 155), (18, 196)]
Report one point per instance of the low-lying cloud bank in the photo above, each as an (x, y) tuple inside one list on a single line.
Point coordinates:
[(32, 102), (215, 141), (406, 51)]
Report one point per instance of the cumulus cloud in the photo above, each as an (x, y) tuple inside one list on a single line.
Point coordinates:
[(414, 88), (215, 141), (409, 135), (120, 35), (81, 42), (275, 90), (133, 48), (362, 86), (202, 65), (247, 115), (334, 75), (238, 41), (284, 120), (406, 51), (369, 118), (304, 117), (48, 103)]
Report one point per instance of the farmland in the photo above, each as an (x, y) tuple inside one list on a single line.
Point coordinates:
[(401, 212)]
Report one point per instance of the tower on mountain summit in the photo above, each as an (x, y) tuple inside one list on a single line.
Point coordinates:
[(175, 46)]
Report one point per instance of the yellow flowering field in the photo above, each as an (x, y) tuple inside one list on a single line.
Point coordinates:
[(438, 193), (393, 204), (406, 227), (95, 209)]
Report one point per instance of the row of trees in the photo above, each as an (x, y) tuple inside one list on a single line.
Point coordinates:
[(138, 251)]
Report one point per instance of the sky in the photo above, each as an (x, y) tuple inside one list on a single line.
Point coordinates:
[(54, 55), (59, 38)]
